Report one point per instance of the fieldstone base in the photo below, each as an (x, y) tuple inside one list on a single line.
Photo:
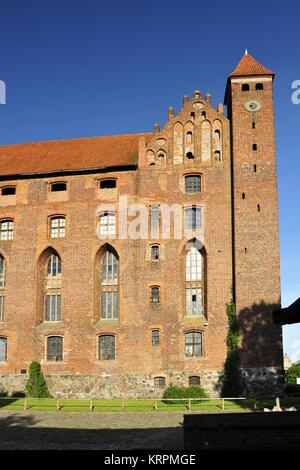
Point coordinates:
[(258, 382)]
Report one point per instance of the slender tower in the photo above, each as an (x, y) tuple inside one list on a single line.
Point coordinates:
[(249, 97)]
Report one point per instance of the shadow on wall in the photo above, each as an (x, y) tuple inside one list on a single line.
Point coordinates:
[(261, 349), (28, 433)]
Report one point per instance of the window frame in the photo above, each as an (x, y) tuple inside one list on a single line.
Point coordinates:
[(159, 382), (155, 340), (194, 384), (60, 227), (104, 180), (194, 219), (193, 344), (106, 335), (193, 185), (53, 184), (52, 361), (152, 248), (158, 295), (2, 337), (107, 232), (9, 187), (8, 230), (109, 285)]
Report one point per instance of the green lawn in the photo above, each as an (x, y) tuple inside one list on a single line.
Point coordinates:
[(209, 405)]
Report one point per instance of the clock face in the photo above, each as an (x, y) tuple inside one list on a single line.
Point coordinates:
[(253, 106)]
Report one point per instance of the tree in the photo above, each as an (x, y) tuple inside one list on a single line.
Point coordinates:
[(293, 373), (36, 386)]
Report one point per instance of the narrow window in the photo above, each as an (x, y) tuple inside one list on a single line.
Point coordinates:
[(8, 191), (243, 196), (258, 207), (155, 252), (254, 146), (193, 344), (192, 184), (1, 307), (3, 349), (192, 217), (57, 227), (194, 380), (189, 137), (254, 168), (52, 291), (107, 224), (245, 87), (192, 114), (259, 86), (6, 230), (54, 348), (204, 114), (109, 286), (107, 347), (108, 184), (159, 382), (218, 156), (154, 295), (194, 283), (246, 250), (2, 271), (161, 159), (155, 221), (155, 337), (58, 187), (253, 125)]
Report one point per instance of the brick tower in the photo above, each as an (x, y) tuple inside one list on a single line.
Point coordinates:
[(249, 97)]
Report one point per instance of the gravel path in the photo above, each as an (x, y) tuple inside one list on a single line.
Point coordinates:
[(107, 431)]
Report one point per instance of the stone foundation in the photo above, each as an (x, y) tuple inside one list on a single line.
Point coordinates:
[(258, 381)]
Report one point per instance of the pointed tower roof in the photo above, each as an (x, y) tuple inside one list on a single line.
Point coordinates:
[(249, 66)]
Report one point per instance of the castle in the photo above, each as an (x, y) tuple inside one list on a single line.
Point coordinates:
[(112, 314)]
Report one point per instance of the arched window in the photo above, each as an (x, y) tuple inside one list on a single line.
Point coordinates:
[(245, 87), (109, 286), (108, 183), (194, 380), (259, 86), (155, 339), (54, 348), (194, 285), (193, 343), (52, 291), (7, 229), (2, 285), (161, 159), (57, 227), (3, 349), (189, 137), (107, 347)]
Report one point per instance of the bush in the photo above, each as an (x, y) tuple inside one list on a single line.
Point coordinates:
[(36, 386), (183, 392), (293, 373)]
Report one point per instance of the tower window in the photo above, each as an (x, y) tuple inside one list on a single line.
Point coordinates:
[(109, 286), (254, 168), (254, 147), (192, 184), (253, 125), (8, 191), (245, 87), (154, 252), (192, 114), (58, 187), (154, 295), (108, 184), (243, 196), (155, 338), (259, 86), (189, 156), (258, 207)]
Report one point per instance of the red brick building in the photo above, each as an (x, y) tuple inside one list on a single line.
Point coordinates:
[(112, 310)]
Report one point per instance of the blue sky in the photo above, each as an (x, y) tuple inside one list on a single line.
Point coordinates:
[(90, 67)]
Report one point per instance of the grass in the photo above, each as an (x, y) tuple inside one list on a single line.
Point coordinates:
[(208, 405)]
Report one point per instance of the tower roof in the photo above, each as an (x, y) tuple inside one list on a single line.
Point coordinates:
[(249, 66)]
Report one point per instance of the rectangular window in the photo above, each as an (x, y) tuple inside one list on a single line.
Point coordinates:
[(155, 221), (193, 344), (107, 347), (192, 218), (54, 348), (155, 337), (155, 295), (155, 253), (194, 304), (1, 308), (109, 304), (159, 382), (52, 307), (3, 349), (193, 184), (107, 223), (7, 230), (57, 227)]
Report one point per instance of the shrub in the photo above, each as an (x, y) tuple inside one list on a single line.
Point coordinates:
[(182, 392), (293, 373), (36, 386)]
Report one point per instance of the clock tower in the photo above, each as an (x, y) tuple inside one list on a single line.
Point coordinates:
[(256, 272)]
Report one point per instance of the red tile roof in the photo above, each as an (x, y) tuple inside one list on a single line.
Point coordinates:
[(249, 66), (70, 154)]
